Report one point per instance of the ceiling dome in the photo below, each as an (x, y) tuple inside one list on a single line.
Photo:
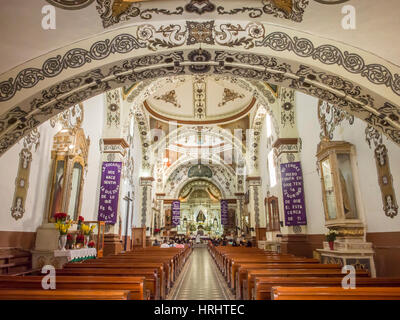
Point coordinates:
[(200, 100)]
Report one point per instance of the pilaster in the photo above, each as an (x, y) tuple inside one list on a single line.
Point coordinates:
[(146, 185)]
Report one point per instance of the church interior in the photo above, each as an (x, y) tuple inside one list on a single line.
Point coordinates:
[(200, 149)]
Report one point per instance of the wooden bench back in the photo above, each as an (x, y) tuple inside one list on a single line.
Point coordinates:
[(263, 285), (32, 294), (135, 285), (334, 293)]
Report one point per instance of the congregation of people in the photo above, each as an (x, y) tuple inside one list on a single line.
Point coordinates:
[(183, 242), (179, 243)]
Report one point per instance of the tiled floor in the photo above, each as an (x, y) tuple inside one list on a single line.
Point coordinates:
[(200, 280)]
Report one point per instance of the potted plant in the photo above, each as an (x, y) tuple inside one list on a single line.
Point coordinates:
[(87, 231), (62, 225), (331, 237), (91, 244)]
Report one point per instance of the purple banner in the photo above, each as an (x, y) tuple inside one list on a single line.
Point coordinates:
[(176, 213), (224, 213), (293, 194), (109, 192)]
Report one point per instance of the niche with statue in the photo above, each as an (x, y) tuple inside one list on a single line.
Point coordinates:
[(343, 209)]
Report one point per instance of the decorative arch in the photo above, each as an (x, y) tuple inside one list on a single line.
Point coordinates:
[(186, 188), (358, 82), (227, 179), (214, 131), (176, 189), (143, 90)]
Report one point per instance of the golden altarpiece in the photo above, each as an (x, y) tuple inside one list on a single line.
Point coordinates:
[(343, 206)]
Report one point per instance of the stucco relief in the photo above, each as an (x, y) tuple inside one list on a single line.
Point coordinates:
[(345, 94)]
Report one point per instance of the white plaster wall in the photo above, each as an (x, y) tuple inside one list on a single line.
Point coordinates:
[(37, 197), (263, 161), (93, 126), (35, 204), (375, 216), (309, 129), (137, 174)]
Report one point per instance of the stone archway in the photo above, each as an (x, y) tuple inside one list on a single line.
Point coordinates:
[(353, 80)]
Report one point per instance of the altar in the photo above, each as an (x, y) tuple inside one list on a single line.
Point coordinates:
[(58, 258), (76, 255)]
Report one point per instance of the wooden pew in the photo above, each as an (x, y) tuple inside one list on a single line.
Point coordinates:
[(263, 285), (173, 258), (33, 294), (120, 262), (286, 264), (241, 274), (332, 293), (248, 283), (231, 271), (168, 263), (151, 282), (132, 284), (117, 264)]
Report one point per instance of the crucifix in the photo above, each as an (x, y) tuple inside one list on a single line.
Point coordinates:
[(129, 200)]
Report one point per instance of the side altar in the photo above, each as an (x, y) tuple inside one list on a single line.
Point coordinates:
[(49, 251), (344, 211)]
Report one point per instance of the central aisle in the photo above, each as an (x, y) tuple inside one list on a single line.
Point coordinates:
[(200, 280)]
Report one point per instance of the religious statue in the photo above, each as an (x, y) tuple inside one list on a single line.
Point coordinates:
[(345, 195), (201, 217), (57, 198)]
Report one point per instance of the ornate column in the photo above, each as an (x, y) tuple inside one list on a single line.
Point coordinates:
[(113, 151), (160, 203), (146, 185), (239, 211), (113, 147), (294, 238), (257, 216)]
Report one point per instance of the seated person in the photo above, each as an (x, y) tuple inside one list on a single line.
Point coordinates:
[(179, 245), (165, 244), (156, 243)]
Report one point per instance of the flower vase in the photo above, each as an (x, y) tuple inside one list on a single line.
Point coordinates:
[(62, 241), (331, 244), (87, 238)]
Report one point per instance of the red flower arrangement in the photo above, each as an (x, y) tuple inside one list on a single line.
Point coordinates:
[(91, 244), (60, 216), (157, 230), (81, 219), (80, 238), (69, 237)]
